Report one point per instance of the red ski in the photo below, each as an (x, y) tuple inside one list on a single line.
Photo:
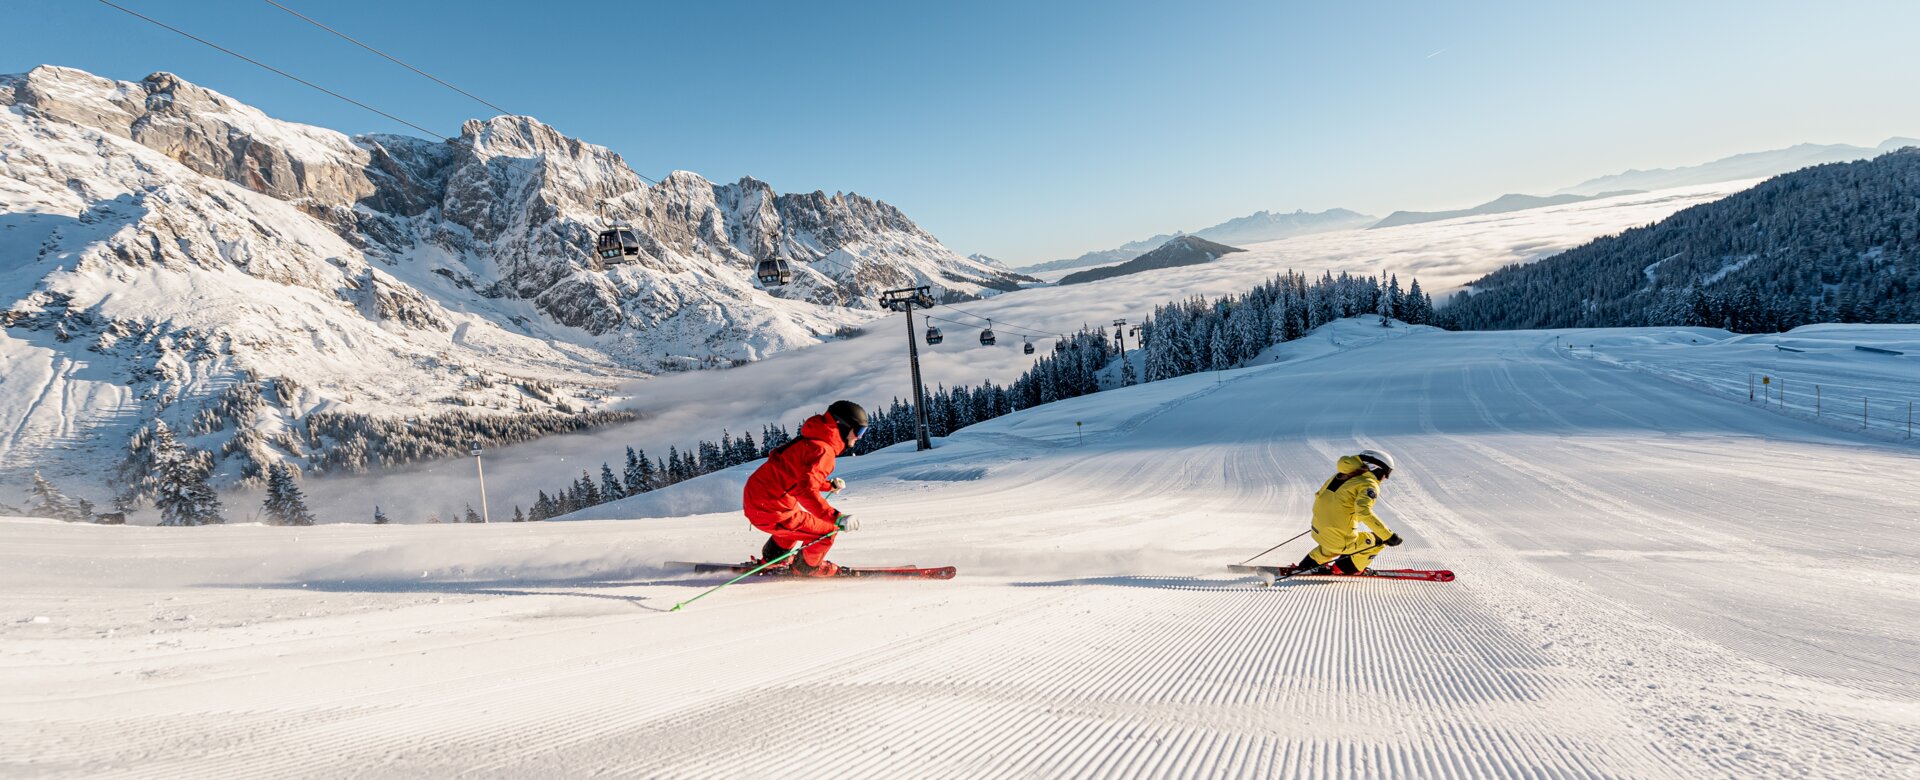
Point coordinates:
[(921, 572), (1424, 575)]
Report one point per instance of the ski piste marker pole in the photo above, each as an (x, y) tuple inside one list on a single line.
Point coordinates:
[(1275, 547), (756, 570)]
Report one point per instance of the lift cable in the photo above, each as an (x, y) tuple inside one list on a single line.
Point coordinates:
[(480, 100), (164, 25), (393, 59), (429, 133)]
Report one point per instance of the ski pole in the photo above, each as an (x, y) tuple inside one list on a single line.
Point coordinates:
[(756, 570), (1275, 547)]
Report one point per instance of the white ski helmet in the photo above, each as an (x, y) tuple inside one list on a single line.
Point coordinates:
[(1381, 462)]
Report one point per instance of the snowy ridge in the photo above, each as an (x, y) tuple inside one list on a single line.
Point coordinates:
[(163, 242)]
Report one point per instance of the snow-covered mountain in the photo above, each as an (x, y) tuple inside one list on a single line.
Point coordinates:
[(1751, 165), (166, 251), (1253, 228), (1185, 250)]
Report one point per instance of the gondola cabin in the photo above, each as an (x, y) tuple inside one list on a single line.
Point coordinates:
[(774, 272), (933, 335), (1027, 347), (986, 336), (617, 244)]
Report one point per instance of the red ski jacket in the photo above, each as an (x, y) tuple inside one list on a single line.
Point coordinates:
[(784, 493)]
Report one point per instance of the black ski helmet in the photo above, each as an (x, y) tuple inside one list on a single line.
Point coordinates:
[(849, 416)]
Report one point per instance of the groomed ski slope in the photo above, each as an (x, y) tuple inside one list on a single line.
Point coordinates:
[(1654, 581)]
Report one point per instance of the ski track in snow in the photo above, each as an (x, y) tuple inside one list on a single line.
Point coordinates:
[(1654, 581)]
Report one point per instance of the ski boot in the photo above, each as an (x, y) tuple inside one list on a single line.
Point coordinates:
[(770, 551), (825, 569)]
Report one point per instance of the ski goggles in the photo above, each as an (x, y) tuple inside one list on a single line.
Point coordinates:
[(860, 431)]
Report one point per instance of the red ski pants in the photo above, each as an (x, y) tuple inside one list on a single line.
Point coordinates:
[(797, 529)]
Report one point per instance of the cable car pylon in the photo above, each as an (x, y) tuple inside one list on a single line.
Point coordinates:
[(904, 300)]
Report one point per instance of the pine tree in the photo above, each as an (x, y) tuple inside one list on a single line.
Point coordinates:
[(285, 503), (52, 504), (630, 475), (589, 494), (518, 516), (1419, 306), (543, 507), (180, 484), (639, 473), (379, 517), (610, 487), (1221, 357), (472, 516)]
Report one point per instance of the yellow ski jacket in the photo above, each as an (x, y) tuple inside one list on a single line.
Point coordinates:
[(1344, 502)]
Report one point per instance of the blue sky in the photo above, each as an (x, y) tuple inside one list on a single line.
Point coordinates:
[(1036, 130)]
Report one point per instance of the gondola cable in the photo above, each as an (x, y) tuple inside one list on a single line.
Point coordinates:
[(332, 93)]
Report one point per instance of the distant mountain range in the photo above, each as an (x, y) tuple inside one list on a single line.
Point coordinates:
[(1185, 250), (1268, 226), (1253, 228), (1752, 165), (1500, 205)]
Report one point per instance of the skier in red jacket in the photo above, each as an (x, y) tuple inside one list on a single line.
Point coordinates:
[(783, 495)]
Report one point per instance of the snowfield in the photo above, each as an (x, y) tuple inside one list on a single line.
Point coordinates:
[(1655, 580)]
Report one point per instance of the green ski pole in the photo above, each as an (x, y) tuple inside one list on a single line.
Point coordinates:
[(756, 570)]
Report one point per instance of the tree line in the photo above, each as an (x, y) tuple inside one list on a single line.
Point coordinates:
[(1829, 243)]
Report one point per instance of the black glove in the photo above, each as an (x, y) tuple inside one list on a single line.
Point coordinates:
[(1392, 540)]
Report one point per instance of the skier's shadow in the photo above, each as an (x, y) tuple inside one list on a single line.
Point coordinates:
[(1154, 582)]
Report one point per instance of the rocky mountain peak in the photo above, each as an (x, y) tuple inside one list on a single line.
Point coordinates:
[(195, 244)]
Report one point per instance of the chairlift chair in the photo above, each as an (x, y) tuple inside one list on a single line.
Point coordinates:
[(616, 244), (986, 336), (933, 335)]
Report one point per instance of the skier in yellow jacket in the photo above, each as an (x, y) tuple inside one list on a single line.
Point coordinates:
[(1341, 505)]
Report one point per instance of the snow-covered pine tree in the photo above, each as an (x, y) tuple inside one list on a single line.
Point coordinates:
[(52, 504), (639, 472), (676, 470), (285, 504), (519, 516), (181, 491), (1419, 306), (610, 487), (589, 493), (1220, 357), (471, 516), (542, 507)]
